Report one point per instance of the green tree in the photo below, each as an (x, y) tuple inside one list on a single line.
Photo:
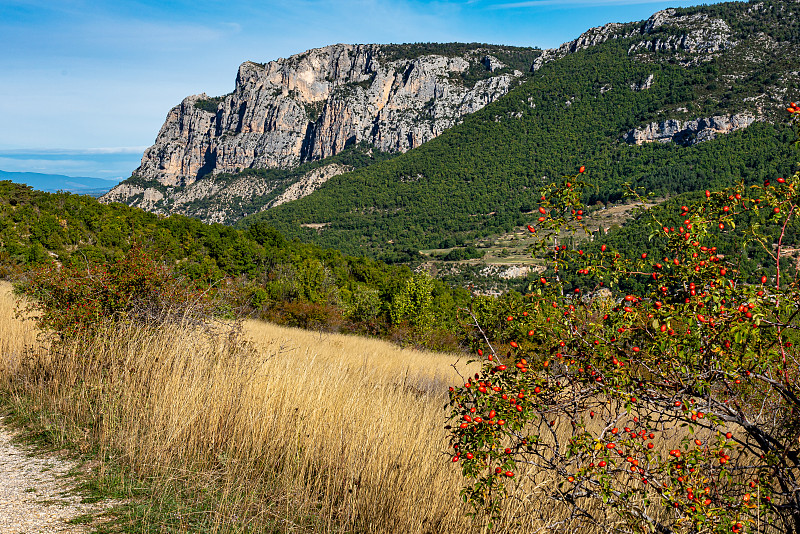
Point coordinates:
[(414, 303)]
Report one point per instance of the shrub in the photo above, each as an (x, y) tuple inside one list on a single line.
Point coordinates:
[(311, 316), (675, 409), (460, 254), (69, 300), (209, 104)]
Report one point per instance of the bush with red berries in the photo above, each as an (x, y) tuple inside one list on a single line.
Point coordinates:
[(79, 299), (675, 409)]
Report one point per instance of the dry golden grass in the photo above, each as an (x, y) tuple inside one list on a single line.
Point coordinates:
[(270, 429), (15, 335), (292, 430), (428, 372)]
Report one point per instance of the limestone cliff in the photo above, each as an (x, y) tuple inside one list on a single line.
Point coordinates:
[(315, 104), (688, 133), (312, 105)]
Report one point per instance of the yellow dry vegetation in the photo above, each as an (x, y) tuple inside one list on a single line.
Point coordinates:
[(287, 429), (16, 336), (267, 428)]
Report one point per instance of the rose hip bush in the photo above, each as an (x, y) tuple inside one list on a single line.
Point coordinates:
[(79, 299), (674, 409)]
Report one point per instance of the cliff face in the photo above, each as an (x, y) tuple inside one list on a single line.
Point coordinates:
[(314, 104), (688, 133), (396, 97)]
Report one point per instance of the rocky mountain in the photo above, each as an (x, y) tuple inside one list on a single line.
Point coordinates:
[(684, 77), (313, 105), (689, 99)]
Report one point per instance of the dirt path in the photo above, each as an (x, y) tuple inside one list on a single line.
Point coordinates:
[(36, 494)]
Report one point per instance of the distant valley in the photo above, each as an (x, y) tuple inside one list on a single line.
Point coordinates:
[(52, 183)]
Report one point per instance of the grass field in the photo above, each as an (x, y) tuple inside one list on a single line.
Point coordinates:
[(258, 429), (276, 430)]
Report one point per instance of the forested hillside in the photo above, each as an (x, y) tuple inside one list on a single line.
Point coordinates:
[(484, 175), (256, 271)]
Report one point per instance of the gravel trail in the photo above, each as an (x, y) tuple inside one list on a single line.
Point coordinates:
[(36, 494)]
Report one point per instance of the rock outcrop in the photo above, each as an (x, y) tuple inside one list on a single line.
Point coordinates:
[(664, 31), (310, 182), (133, 194), (698, 34), (688, 132), (223, 198), (315, 104)]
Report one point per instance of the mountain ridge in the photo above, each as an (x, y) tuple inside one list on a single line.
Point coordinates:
[(574, 111), (314, 104), (701, 72)]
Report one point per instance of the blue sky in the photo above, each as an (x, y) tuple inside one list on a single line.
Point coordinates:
[(86, 84)]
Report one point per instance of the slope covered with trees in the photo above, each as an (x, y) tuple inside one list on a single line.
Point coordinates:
[(484, 175), (256, 271)]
